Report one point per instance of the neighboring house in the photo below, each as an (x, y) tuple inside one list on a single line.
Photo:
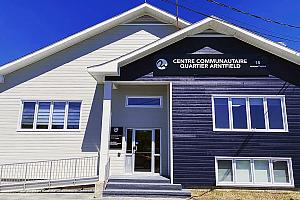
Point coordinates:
[(204, 104)]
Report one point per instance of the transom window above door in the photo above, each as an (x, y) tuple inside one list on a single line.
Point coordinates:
[(144, 101), (50, 115), (249, 113)]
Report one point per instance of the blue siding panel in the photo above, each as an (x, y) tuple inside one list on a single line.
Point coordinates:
[(195, 142)]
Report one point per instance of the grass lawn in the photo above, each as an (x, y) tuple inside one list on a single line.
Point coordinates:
[(236, 194)]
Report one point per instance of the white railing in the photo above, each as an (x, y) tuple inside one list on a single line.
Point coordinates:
[(47, 174)]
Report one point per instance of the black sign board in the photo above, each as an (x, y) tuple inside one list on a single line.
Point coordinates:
[(209, 65), (116, 134)]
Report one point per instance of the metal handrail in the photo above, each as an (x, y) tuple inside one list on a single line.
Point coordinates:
[(47, 172)]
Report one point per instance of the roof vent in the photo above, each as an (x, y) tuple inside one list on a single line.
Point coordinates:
[(207, 50)]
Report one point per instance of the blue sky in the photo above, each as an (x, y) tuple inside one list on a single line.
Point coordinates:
[(28, 25)]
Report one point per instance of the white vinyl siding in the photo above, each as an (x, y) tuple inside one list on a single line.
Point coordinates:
[(62, 77), (254, 172)]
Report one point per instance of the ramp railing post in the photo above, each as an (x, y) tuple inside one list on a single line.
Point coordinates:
[(1, 177), (50, 173), (75, 171), (25, 176)]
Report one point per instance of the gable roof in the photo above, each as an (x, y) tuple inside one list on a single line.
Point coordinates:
[(143, 9), (111, 68)]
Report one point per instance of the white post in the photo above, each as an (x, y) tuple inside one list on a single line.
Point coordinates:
[(104, 143), (105, 130)]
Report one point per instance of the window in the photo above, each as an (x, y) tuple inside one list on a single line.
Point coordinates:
[(249, 113), (43, 115), (58, 116), (50, 115), (144, 101), (239, 114), (257, 172), (222, 113), (74, 115), (28, 115)]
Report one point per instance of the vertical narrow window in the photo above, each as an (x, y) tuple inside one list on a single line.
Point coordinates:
[(28, 115), (243, 171), (275, 113), (157, 164), (221, 113), (43, 115), (157, 151), (129, 141), (281, 172), (74, 115), (262, 171), (239, 113), (257, 113), (157, 141), (58, 115), (225, 171)]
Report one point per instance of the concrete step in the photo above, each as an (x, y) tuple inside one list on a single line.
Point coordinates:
[(138, 179), (143, 186), (147, 193)]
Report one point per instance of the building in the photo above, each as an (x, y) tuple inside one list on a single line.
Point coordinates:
[(204, 104)]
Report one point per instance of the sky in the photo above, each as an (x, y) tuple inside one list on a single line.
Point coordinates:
[(29, 25)]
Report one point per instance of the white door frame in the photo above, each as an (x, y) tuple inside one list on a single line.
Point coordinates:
[(152, 149)]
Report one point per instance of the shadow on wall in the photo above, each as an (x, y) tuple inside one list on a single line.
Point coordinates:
[(92, 135), (74, 52)]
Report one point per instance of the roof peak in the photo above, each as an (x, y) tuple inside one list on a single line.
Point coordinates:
[(135, 12)]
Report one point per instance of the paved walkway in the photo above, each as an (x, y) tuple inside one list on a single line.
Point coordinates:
[(66, 196)]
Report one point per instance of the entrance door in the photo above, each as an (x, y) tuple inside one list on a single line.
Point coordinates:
[(142, 151)]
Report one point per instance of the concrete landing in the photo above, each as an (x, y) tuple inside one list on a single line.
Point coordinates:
[(143, 186)]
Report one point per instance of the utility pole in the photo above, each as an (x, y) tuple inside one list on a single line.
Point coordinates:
[(177, 14)]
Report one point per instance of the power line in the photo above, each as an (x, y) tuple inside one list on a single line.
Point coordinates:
[(191, 2), (252, 15), (218, 19)]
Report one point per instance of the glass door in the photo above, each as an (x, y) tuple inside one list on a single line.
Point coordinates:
[(143, 151)]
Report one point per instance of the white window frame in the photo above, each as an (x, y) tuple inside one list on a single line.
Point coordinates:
[(34, 129), (252, 183), (249, 129), (144, 106)]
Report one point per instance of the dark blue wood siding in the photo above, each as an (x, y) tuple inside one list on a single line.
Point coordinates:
[(195, 142)]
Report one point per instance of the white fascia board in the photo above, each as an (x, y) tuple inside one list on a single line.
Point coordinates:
[(108, 69), (207, 23), (165, 16), (257, 41), (1, 79), (87, 33)]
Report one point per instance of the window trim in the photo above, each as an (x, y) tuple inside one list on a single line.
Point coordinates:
[(249, 129), (34, 129), (252, 183), (144, 106)]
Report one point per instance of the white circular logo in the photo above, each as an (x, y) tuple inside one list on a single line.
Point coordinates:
[(161, 64), (116, 130)]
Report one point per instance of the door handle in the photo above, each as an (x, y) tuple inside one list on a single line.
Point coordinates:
[(134, 149)]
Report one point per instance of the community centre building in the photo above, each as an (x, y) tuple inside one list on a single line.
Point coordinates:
[(207, 104)]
